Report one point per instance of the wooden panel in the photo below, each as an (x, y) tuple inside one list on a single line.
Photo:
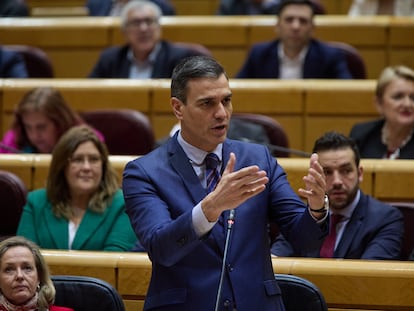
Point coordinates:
[(340, 97), (394, 180), (19, 164), (387, 285), (87, 263), (199, 7), (85, 94), (318, 125), (402, 56)]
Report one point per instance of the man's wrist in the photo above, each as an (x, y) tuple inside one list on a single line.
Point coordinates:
[(324, 208)]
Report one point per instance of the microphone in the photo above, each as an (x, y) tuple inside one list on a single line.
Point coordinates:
[(278, 148), (230, 223)]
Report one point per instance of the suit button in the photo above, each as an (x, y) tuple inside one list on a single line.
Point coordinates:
[(227, 303), (182, 241)]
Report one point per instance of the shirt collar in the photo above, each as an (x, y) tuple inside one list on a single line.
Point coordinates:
[(151, 57), (301, 56), (196, 155), (347, 211)]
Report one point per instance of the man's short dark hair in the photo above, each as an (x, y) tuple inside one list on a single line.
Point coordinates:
[(285, 3), (335, 141)]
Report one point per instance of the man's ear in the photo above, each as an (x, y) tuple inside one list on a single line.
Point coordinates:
[(177, 105)]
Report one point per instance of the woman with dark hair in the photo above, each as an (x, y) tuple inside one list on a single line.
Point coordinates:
[(41, 117), (25, 282), (82, 206)]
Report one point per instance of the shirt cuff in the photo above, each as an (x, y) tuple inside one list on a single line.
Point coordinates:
[(200, 221)]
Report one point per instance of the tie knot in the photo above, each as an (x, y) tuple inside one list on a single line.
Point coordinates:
[(336, 218), (212, 161)]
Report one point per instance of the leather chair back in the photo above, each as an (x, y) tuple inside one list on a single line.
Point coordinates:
[(353, 58), (126, 131), (83, 293), (38, 63), (407, 209), (300, 294), (13, 198), (269, 132)]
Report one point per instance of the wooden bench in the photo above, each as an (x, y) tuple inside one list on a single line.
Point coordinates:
[(384, 179), (346, 284), (305, 108), (74, 43)]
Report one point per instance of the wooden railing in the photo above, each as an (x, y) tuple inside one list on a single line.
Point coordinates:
[(305, 108), (74, 43), (346, 284)]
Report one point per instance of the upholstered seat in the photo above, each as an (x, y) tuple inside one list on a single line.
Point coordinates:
[(353, 58), (407, 209), (300, 294), (12, 197), (270, 132), (126, 131), (38, 63), (83, 293)]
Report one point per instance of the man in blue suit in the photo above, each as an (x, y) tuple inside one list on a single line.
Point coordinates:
[(12, 64), (295, 55), (198, 239), (145, 55), (368, 229)]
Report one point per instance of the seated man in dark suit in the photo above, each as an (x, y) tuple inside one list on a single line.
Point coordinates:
[(12, 64), (295, 55), (114, 7), (365, 228), (145, 55), (248, 7)]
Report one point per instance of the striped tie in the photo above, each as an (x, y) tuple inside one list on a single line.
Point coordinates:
[(212, 173)]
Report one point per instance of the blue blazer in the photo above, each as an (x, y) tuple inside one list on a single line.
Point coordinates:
[(161, 189), (368, 138), (321, 62), (374, 231), (12, 64), (113, 62), (103, 7)]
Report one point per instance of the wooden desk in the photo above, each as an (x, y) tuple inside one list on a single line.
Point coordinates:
[(74, 43), (346, 284)]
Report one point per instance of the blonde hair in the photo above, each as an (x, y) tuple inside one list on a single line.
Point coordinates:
[(390, 74), (47, 292)]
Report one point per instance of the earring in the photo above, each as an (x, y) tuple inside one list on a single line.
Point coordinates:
[(38, 287)]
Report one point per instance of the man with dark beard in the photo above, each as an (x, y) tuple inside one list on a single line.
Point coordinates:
[(365, 228)]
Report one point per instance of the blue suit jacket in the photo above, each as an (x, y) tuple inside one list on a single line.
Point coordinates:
[(12, 64), (368, 138), (321, 62), (103, 7), (374, 231), (113, 62), (161, 189)]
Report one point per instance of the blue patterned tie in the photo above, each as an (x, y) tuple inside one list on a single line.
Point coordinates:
[(212, 173)]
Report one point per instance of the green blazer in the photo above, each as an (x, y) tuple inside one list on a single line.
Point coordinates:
[(110, 231)]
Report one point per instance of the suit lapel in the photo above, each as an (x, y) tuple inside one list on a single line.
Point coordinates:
[(89, 224), (352, 229), (57, 229)]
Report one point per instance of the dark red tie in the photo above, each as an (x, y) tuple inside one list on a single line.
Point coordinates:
[(212, 173), (328, 245)]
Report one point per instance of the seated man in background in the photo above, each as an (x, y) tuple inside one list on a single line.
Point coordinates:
[(12, 64), (361, 227), (114, 7), (14, 8), (248, 7), (295, 55), (145, 55)]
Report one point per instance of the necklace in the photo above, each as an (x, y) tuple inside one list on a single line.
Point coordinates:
[(394, 153)]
